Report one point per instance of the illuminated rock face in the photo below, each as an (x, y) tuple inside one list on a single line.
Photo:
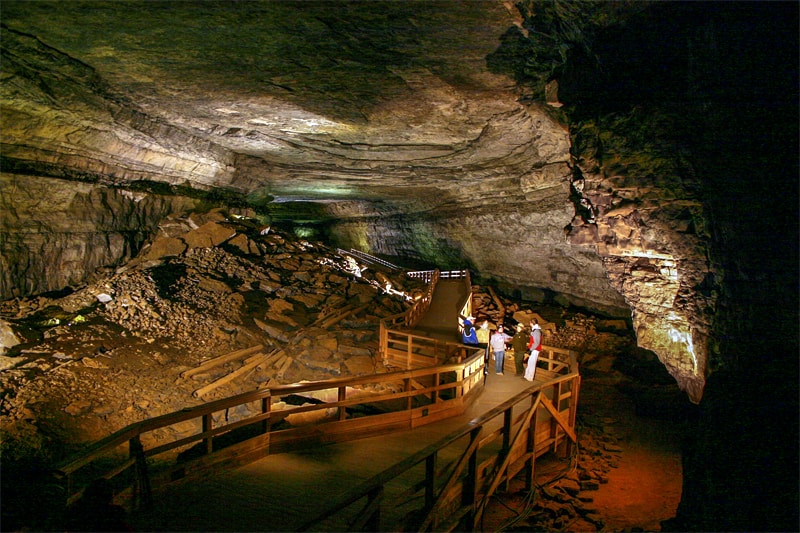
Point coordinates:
[(655, 249)]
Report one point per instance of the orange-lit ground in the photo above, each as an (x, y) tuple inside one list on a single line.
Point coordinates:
[(642, 491), (646, 488)]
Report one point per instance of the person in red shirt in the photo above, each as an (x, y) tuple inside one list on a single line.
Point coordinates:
[(535, 346)]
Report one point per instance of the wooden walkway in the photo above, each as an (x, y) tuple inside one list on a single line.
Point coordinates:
[(450, 439), (280, 492), (441, 320)]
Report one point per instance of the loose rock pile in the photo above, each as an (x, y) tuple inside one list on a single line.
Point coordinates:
[(111, 352)]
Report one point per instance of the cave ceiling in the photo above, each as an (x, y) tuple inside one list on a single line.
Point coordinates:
[(382, 117), (326, 100), (395, 127)]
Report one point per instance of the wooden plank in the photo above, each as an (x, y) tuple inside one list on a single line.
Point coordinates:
[(227, 378), (284, 367), (271, 358), (560, 419), (231, 356)]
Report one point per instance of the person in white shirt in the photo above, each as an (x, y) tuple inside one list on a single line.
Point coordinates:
[(498, 343)]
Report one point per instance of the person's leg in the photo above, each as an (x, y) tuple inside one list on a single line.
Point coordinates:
[(499, 359), (530, 371)]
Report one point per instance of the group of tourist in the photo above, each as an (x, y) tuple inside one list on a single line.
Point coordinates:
[(527, 342)]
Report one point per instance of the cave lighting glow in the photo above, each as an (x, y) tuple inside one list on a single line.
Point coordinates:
[(682, 337), (304, 232), (668, 270)]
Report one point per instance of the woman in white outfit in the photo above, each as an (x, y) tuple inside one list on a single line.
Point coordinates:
[(535, 346)]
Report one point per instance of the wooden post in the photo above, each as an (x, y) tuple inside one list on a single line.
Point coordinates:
[(342, 397), (142, 495), (470, 496), (383, 343), (266, 406), (430, 480), (573, 409), (208, 442), (530, 471), (506, 442), (373, 501), (555, 429)]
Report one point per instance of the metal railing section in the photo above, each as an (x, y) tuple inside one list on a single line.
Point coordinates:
[(367, 258)]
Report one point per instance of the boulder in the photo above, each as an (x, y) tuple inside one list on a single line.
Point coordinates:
[(8, 338)]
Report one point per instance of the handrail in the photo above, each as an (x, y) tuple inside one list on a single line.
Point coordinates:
[(203, 414), (368, 258), (408, 319), (461, 484), (439, 392), (444, 389)]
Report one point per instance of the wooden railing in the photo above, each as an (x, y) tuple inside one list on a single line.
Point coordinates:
[(447, 485), (242, 428), (232, 431), (401, 348), (406, 350)]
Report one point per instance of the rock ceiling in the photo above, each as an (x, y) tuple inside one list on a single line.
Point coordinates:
[(313, 92), (381, 120), (384, 114)]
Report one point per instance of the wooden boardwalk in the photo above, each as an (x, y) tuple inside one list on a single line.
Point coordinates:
[(441, 320), (280, 492), (450, 439)]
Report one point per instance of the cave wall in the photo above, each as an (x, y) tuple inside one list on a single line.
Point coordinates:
[(57, 233), (712, 93), (519, 248)]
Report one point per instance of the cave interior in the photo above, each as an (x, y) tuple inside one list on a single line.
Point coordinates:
[(635, 159)]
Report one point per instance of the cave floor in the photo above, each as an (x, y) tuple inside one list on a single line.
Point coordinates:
[(643, 488), (646, 487)]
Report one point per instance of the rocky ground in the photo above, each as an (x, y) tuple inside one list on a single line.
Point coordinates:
[(624, 476), (83, 363)]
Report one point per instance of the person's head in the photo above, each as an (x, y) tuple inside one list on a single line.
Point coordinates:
[(485, 324), (499, 329), (534, 322), (520, 327)]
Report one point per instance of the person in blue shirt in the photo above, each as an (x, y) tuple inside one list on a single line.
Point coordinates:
[(468, 335)]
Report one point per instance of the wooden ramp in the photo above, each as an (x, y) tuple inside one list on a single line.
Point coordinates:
[(452, 437), (441, 320), (280, 492)]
